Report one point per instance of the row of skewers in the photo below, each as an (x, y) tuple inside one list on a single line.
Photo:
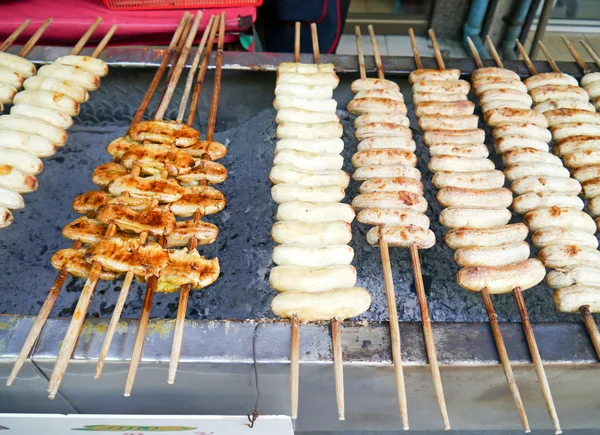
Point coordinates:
[(42, 112), (161, 171)]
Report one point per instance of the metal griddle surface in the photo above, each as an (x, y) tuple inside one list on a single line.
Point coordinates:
[(245, 123)]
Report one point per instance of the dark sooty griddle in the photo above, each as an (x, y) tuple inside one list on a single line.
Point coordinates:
[(246, 123)]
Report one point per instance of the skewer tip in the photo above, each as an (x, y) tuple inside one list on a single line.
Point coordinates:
[(9, 383), (126, 394)]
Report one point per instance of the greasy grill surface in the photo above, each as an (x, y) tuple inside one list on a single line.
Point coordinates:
[(244, 247)]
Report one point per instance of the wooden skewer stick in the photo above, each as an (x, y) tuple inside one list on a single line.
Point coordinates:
[(413, 43), (376, 54), (140, 336), (487, 301), (315, 43), (338, 366), (537, 360), (295, 323), (86, 36), (428, 334), (526, 58), (503, 354), (161, 70), (214, 105), (190, 78), (478, 62), (295, 366), (297, 42), (185, 289), (361, 56), (104, 41), (34, 38), (336, 329), (591, 52), (14, 35), (162, 108), (202, 73), (390, 295), (388, 279), (116, 314), (494, 52), (114, 321), (70, 340), (527, 328), (175, 59), (420, 289), (39, 322), (591, 326), (44, 313), (436, 50), (551, 62), (578, 59)]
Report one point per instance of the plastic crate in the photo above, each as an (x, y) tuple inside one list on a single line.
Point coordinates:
[(146, 5)]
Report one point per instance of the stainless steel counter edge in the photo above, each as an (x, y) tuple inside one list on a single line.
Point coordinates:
[(234, 60), (367, 344)]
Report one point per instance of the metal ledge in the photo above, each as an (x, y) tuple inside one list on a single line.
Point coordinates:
[(234, 60)]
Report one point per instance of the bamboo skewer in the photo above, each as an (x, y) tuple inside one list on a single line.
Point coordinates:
[(297, 42), (388, 279), (295, 366), (202, 73), (40, 319), (315, 43), (190, 78), (591, 52), (413, 43), (338, 366), (104, 41), (578, 59), (485, 295), (428, 334), (537, 360), (70, 340), (591, 326), (161, 69), (504, 359), (14, 35), (295, 323), (436, 50), (494, 52), (390, 295), (86, 36), (518, 294), (336, 328), (361, 57), (186, 31), (551, 62), (172, 84), (586, 315), (34, 38), (142, 328), (376, 55), (526, 58), (422, 298), (185, 289)]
